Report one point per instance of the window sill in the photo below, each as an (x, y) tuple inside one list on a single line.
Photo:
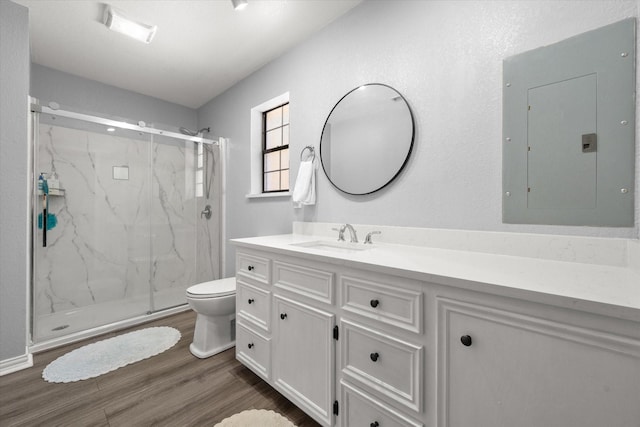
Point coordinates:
[(268, 195)]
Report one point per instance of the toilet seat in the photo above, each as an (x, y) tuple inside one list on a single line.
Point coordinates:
[(213, 289)]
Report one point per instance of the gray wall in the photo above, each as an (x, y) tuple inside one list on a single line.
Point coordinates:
[(445, 57), (48, 84), (14, 90)]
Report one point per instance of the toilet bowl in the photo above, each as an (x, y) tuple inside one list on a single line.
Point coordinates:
[(215, 305)]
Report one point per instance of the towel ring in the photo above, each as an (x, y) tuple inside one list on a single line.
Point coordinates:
[(312, 152)]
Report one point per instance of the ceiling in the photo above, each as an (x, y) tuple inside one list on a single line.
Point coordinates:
[(201, 48)]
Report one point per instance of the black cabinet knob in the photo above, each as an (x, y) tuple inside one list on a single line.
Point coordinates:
[(250, 300), (250, 267), (283, 316), (466, 340), (374, 357), (374, 424), (250, 345), (374, 303)]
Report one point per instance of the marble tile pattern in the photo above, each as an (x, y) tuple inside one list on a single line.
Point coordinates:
[(119, 239), (209, 230)]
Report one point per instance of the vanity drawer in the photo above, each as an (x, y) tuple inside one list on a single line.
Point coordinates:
[(253, 267), (392, 302), (253, 350), (363, 410), (308, 281), (385, 365), (253, 305)]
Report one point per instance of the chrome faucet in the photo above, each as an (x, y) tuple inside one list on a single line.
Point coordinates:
[(352, 233)]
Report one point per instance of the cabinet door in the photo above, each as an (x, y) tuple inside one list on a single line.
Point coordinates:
[(304, 357), (514, 370)]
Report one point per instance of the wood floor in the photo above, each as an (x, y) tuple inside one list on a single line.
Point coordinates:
[(173, 388)]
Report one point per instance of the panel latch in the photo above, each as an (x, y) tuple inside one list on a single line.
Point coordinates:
[(589, 143)]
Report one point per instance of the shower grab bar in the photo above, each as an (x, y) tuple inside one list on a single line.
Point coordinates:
[(122, 125)]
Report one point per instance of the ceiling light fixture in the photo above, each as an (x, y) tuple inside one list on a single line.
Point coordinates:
[(239, 4), (117, 21)]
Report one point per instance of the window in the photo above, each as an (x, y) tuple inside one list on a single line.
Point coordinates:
[(258, 145), (275, 149)]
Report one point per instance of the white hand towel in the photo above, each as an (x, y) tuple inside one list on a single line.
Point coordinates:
[(304, 193)]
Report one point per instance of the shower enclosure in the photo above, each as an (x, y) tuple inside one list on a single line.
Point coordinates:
[(123, 228)]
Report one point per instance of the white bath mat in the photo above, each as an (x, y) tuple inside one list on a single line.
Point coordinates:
[(108, 355), (256, 418)]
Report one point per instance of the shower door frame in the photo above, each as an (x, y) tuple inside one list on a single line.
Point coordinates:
[(36, 110)]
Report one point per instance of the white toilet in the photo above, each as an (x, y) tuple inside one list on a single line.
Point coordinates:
[(215, 304)]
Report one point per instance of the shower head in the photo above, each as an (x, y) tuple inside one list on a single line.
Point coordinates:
[(193, 133)]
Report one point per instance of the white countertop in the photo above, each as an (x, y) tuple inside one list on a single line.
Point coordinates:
[(603, 289)]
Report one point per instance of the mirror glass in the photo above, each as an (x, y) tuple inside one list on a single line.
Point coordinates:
[(367, 139)]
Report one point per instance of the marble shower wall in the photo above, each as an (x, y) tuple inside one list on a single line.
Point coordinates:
[(119, 239), (173, 215), (209, 230)]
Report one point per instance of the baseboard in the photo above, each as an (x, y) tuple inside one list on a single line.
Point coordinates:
[(15, 364)]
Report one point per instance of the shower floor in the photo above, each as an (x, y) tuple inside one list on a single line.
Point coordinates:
[(60, 328)]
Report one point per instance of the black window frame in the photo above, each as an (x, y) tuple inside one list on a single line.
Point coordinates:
[(266, 151)]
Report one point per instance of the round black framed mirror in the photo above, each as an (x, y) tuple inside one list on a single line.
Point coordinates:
[(367, 139)]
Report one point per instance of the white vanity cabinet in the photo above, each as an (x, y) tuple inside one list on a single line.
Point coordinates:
[(354, 344), (285, 333), (500, 367)]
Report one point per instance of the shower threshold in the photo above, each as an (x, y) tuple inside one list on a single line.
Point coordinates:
[(54, 330)]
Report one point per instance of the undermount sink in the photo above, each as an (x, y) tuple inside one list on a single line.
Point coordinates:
[(324, 245)]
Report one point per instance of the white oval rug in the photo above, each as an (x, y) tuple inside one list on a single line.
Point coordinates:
[(108, 355), (256, 418)]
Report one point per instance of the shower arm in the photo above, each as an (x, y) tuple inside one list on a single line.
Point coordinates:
[(189, 132)]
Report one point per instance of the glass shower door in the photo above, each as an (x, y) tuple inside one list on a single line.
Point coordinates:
[(173, 219), (124, 235), (94, 269)]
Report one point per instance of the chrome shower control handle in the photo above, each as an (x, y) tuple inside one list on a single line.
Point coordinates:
[(206, 212)]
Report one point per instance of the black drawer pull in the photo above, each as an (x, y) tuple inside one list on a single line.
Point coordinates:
[(374, 303), (466, 340), (283, 316), (250, 345), (250, 267), (374, 357), (250, 300), (374, 424)]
